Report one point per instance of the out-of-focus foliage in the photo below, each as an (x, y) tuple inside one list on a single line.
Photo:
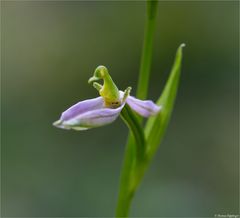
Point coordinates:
[(49, 50)]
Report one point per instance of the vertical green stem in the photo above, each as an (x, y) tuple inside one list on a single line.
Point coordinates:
[(134, 155), (133, 170), (147, 51), (124, 197)]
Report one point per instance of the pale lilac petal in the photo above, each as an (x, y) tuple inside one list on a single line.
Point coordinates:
[(94, 118), (88, 114), (82, 107), (144, 108)]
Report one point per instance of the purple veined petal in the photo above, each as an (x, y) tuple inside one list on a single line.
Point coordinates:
[(77, 109), (88, 114), (82, 107), (92, 118), (145, 108)]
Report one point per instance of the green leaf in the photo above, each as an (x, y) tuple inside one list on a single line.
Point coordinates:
[(156, 126), (137, 131)]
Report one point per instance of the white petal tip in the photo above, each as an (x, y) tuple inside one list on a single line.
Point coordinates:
[(79, 128), (59, 124)]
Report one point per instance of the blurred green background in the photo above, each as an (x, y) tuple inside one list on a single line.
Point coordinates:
[(50, 49)]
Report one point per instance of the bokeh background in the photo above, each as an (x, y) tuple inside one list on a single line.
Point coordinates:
[(48, 52)]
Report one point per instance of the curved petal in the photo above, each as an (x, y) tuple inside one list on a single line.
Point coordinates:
[(92, 118), (144, 108), (82, 107), (88, 114)]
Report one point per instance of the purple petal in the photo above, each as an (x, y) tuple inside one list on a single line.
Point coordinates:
[(144, 108), (94, 118), (88, 114), (82, 107)]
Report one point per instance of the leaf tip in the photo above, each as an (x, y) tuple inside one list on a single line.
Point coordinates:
[(182, 45)]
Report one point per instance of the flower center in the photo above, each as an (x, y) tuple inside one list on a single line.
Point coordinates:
[(108, 90)]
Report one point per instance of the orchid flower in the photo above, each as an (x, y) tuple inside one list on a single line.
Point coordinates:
[(105, 109), (143, 140)]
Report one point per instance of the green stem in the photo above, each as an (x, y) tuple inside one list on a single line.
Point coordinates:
[(134, 163), (147, 51), (134, 155), (124, 196)]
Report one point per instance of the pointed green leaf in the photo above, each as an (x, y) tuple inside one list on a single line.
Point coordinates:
[(156, 126)]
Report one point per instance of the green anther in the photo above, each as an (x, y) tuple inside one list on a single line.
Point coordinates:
[(109, 90), (126, 93)]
